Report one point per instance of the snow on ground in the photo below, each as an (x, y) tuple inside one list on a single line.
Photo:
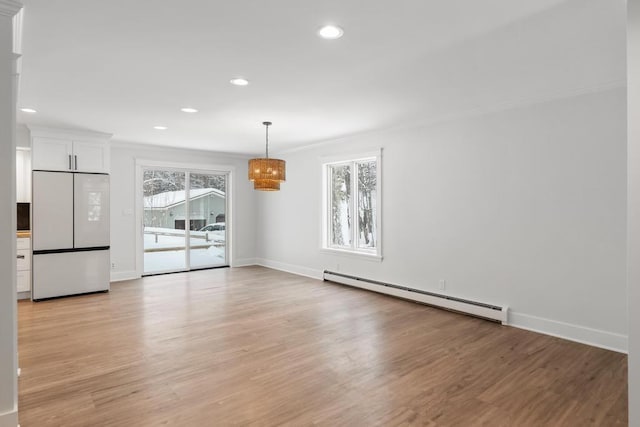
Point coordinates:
[(156, 262), (162, 258), (156, 238)]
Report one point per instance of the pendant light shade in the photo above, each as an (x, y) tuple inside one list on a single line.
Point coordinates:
[(267, 173)]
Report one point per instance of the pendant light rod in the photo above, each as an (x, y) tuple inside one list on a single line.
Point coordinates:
[(267, 124)]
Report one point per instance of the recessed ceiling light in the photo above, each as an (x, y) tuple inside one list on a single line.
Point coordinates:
[(239, 81), (28, 110), (330, 32), (188, 110), (160, 127)]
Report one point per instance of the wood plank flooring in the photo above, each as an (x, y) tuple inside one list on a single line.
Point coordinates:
[(258, 347)]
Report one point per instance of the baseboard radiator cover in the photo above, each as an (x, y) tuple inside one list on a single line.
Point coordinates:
[(473, 308)]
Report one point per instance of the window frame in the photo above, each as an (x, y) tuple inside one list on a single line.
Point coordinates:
[(353, 249)]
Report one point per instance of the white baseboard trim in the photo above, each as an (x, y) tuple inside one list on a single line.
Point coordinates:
[(582, 334), (119, 276), (9, 419), (243, 262), (290, 268)]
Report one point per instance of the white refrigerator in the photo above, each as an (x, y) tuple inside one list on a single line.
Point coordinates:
[(70, 234)]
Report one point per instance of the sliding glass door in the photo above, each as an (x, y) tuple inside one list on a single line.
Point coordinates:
[(208, 211), (163, 216), (184, 220)]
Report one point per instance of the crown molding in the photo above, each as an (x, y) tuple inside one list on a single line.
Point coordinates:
[(458, 114), (131, 145), (43, 131), (17, 31), (9, 7)]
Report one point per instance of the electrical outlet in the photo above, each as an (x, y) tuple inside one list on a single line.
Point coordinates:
[(113, 265), (442, 284)]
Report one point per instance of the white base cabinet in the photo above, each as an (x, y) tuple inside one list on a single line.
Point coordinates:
[(24, 281), (24, 264)]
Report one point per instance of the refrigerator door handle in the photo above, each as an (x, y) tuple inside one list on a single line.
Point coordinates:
[(75, 161), (70, 166)]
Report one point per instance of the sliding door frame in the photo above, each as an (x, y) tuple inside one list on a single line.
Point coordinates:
[(187, 168)]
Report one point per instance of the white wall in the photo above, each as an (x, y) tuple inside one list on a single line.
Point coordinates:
[(508, 180), (23, 138), (123, 194), (524, 207), (633, 62), (8, 321), (571, 48)]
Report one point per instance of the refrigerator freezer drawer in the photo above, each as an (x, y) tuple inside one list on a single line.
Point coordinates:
[(70, 273)]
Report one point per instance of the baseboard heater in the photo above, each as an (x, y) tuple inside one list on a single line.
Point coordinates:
[(474, 308)]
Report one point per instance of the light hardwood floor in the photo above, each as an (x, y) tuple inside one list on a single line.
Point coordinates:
[(253, 346)]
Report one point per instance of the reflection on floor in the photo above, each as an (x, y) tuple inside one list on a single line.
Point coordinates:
[(253, 346)]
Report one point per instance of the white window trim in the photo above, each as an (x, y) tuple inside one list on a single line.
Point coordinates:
[(371, 255)]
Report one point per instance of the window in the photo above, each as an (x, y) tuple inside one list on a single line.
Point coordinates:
[(351, 205)]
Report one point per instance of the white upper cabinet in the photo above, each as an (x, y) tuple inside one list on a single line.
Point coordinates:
[(89, 156), (23, 176), (51, 154), (69, 151)]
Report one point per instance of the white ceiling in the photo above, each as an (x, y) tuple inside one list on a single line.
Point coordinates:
[(123, 67)]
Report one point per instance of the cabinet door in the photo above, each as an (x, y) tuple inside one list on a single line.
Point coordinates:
[(23, 243), (23, 260), (51, 154), (90, 156), (21, 190), (24, 281), (23, 176)]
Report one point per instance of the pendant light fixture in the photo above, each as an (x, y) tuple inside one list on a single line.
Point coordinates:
[(266, 173)]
